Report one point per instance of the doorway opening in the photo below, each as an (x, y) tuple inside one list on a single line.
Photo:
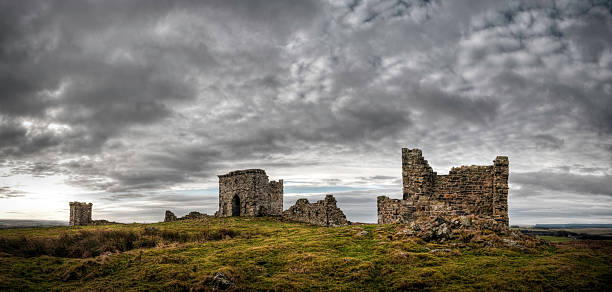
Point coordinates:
[(236, 206)]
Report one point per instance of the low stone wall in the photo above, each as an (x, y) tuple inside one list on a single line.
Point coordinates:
[(394, 211), (169, 217), (322, 213)]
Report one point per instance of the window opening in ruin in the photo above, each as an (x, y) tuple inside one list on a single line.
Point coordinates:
[(236, 206)]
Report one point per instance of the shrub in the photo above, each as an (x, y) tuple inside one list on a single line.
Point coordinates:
[(79, 245), (85, 243)]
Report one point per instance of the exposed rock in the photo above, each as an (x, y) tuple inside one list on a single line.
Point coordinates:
[(478, 193), (322, 213), (440, 229), (220, 281), (249, 193), (170, 216), (362, 233)]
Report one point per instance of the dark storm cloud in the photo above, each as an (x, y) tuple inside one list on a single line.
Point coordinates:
[(130, 97), (16, 140), (101, 67)]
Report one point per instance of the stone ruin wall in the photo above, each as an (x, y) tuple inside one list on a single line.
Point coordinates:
[(479, 193), (80, 214), (275, 201), (322, 213), (257, 196), (169, 216)]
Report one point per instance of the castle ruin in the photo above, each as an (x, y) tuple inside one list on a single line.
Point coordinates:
[(80, 214), (478, 194), (249, 193), (322, 213)]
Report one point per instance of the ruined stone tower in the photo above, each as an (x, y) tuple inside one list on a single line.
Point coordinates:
[(80, 213), (417, 176), (477, 192), (249, 193)]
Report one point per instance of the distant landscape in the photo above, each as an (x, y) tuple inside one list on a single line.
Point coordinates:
[(571, 226), (16, 223)]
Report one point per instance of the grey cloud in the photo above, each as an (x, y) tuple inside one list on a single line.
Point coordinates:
[(183, 199), (151, 207), (16, 140), (332, 181), (35, 168), (127, 75), (548, 141), (542, 182), (442, 105), (379, 177), (128, 98), (117, 197), (8, 193), (581, 169), (551, 208)]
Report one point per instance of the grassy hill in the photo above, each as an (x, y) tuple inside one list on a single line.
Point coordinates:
[(270, 254)]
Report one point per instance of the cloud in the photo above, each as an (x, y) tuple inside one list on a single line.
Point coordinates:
[(8, 193), (34, 168), (534, 183), (548, 141), (130, 98), (117, 197)]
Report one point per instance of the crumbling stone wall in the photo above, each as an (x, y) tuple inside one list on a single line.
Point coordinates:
[(169, 216), (80, 213), (322, 213), (249, 193), (477, 192)]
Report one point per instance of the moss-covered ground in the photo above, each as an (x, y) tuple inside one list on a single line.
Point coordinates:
[(270, 254)]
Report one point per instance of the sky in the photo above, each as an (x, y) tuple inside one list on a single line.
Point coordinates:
[(137, 106)]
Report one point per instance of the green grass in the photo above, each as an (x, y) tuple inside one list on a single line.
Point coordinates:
[(269, 254)]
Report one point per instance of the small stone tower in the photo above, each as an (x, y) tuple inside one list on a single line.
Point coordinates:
[(249, 193), (80, 213)]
